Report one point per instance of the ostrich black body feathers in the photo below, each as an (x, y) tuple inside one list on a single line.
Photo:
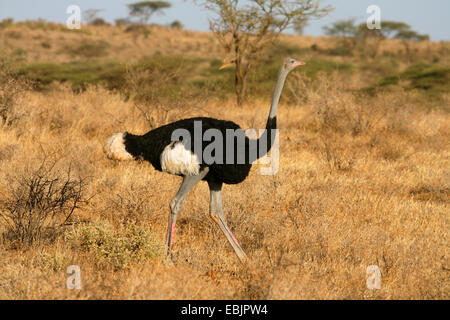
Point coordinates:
[(151, 145)]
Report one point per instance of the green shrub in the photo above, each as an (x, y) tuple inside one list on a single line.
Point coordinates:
[(138, 29), (429, 80), (115, 249), (5, 23), (113, 75), (46, 45), (54, 261), (424, 76), (99, 22), (20, 55), (281, 50), (314, 66), (88, 49), (79, 73), (176, 25), (340, 50), (421, 76), (382, 66)]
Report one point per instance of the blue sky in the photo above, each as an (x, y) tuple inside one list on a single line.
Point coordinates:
[(431, 17)]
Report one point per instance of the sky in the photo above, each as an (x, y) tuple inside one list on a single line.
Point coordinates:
[(430, 17)]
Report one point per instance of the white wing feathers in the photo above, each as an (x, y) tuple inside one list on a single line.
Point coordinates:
[(176, 159)]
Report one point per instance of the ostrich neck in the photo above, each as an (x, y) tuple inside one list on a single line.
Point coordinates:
[(276, 94), (267, 139)]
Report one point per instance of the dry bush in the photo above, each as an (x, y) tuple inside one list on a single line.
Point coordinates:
[(145, 85), (257, 281), (299, 88), (341, 120), (431, 193), (386, 148), (334, 108), (39, 202), (335, 153), (12, 93), (350, 123), (128, 202)]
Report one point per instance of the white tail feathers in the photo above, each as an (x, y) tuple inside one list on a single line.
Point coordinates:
[(114, 147)]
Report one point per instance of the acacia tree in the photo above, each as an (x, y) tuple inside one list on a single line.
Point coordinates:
[(145, 9), (390, 28), (341, 28), (345, 31), (393, 29), (245, 29)]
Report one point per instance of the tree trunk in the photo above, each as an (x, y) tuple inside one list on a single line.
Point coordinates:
[(240, 83), (239, 78)]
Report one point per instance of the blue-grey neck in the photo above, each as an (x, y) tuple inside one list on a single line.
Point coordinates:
[(268, 136), (282, 74)]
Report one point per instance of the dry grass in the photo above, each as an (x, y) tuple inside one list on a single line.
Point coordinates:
[(362, 181)]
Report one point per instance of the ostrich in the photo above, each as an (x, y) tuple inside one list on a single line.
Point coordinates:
[(175, 157)]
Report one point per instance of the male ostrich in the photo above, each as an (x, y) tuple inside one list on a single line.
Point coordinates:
[(178, 158)]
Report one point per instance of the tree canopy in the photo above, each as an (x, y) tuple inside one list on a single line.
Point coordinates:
[(341, 28), (389, 29), (145, 9)]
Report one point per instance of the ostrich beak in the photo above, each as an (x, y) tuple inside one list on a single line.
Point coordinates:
[(226, 65), (299, 63)]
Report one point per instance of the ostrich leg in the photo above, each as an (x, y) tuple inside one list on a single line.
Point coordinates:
[(177, 202), (216, 212)]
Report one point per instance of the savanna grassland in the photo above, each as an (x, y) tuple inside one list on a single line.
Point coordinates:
[(363, 177)]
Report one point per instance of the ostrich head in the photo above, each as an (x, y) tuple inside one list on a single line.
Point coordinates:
[(289, 64)]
